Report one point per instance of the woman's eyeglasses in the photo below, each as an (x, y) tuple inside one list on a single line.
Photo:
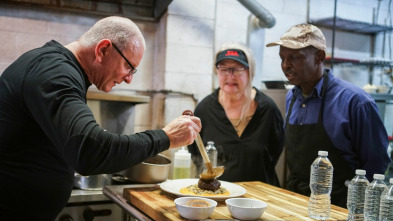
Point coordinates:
[(133, 70), (235, 71)]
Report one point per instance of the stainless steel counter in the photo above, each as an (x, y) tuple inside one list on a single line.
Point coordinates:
[(81, 196), (108, 195), (88, 205)]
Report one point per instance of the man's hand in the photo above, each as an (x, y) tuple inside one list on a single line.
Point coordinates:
[(183, 130)]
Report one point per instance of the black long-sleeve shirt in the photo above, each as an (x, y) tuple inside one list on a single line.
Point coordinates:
[(252, 156), (47, 132)]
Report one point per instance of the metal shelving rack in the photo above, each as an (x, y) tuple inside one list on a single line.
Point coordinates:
[(351, 26), (335, 23), (339, 24)]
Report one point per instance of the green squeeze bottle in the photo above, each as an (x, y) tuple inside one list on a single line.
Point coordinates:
[(182, 164)]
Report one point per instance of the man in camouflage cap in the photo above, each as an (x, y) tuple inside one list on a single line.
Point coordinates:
[(326, 113)]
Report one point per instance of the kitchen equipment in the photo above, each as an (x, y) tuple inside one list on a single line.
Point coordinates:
[(152, 170), (275, 84), (97, 210), (94, 182), (370, 88), (245, 208), (210, 172), (195, 208), (383, 89)]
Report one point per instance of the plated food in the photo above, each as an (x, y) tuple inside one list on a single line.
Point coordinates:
[(175, 186), (205, 188)]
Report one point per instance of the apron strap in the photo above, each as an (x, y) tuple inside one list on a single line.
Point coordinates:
[(324, 91), (289, 111)]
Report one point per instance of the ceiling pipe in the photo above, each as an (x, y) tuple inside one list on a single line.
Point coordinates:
[(266, 19)]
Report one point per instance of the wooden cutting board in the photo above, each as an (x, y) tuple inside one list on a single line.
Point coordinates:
[(282, 204), (152, 201)]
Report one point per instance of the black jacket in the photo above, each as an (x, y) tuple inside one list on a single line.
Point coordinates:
[(251, 157), (47, 132)]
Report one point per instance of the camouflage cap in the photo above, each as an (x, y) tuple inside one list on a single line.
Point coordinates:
[(301, 36)]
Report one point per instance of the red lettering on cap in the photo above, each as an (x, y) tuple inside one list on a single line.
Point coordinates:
[(232, 53)]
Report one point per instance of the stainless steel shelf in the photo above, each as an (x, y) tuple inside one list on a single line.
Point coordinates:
[(351, 26), (343, 61), (79, 196), (382, 97)]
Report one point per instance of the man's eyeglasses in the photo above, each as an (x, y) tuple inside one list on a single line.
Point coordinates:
[(133, 70), (227, 71)]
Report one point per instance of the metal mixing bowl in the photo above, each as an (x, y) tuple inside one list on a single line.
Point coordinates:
[(275, 84), (152, 170), (94, 182)]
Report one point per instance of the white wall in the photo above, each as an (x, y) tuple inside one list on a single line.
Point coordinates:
[(194, 21)]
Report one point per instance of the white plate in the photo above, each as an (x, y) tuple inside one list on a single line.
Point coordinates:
[(174, 186)]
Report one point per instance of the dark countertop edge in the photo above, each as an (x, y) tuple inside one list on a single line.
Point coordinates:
[(115, 193)]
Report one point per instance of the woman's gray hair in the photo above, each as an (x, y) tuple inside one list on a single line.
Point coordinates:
[(251, 72), (121, 31)]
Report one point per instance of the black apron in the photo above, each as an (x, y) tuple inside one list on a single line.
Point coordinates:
[(302, 143)]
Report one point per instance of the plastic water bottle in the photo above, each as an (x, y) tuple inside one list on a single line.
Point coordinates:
[(321, 179), (212, 153), (386, 210), (373, 197), (182, 164), (356, 194)]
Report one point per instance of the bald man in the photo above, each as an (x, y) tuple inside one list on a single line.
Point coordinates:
[(47, 132)]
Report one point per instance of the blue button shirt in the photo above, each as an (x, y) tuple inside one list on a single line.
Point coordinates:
[(351, 120)]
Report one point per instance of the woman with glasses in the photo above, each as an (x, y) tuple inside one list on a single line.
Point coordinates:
[(244, 123)]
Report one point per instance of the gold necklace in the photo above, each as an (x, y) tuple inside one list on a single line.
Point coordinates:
[(237, 125), (220, 100)]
